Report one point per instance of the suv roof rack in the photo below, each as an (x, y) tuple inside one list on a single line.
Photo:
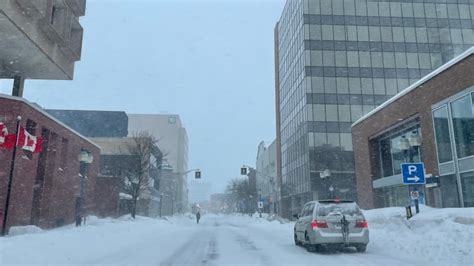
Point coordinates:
[(335, 201)]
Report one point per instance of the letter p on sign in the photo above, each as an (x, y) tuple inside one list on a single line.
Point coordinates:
[(411, 169)]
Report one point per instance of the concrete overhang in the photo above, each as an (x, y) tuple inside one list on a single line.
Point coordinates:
[(20, 55)]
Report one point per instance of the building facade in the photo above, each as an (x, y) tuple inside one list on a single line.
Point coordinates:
[(336, 61), (116, 158), (432, 122), (172, 140), (94, 124), (46, 186), (44, 39), (267, 177)]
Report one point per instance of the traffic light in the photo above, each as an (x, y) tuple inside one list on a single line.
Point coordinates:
[(243, 171), (197, 174)]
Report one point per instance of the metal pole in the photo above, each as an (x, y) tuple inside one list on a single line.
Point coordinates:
[(161, 204), (10, 179), (83, 177), (81, 203)]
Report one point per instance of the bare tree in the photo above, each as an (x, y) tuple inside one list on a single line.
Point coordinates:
[(239, 190), (136, 171)]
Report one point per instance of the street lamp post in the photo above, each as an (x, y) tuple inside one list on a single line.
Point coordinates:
[(85, 158), (331, 191), (409, 146), (197, 172), (325, 175), (174, 194), (161, 204)]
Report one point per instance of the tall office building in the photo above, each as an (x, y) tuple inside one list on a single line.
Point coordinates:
[(337, 60), (173, 141)]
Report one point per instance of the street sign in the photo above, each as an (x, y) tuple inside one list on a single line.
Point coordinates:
[(260, 204), (413, 173), (414, 195)]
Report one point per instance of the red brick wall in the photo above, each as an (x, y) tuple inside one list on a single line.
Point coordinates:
[(416, 103), (61, 184)]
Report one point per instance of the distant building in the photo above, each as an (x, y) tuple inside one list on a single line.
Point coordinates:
[(114, 156), (41, 39), (431, 121), (46, 187), (96, 124), (218, 203), (199, 191), (172, 140), (266, 177)]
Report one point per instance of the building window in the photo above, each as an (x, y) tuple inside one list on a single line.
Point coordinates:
[(386, 157), (443, 140), (463, 126), (400, 147), (53, 14), (467, 181), (31, 127)]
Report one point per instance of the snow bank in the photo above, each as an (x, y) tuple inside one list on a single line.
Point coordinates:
[(97, 240), (24, 230), (443, 235)]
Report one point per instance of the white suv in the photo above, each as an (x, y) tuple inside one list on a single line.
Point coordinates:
[(331, 224)]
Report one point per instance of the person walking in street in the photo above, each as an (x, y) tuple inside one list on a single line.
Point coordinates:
[(198, 216), (78, 219)]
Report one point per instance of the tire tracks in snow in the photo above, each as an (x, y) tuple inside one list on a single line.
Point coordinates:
[(201, 249)]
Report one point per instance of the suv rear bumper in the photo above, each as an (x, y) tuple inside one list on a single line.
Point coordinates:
[(318, 237)]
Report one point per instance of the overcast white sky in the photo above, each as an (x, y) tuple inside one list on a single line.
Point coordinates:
[(209, 61)]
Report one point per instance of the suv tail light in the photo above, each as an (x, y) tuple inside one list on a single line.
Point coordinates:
[(361, 224), (318, 224)]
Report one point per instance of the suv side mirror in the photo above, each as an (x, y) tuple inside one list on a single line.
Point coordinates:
[(296, 216)]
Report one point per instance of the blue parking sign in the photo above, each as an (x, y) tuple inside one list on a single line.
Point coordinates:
[(413, 173)]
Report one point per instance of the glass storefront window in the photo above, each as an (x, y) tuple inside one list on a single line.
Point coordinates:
[(386, 157), (463, 126), (392, 153), (396, 196), (467, 181), (398, 156), (449, 191), (443, 140)]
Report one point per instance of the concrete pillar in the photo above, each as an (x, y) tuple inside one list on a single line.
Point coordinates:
[(18, 85)]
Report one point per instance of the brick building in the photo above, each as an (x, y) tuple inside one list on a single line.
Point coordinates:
[(432, 121), (46, 186)]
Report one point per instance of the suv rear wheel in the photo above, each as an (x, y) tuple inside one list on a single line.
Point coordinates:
[(361, 247), (297, 242)]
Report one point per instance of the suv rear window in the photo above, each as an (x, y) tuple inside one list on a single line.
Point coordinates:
[(349, 208)]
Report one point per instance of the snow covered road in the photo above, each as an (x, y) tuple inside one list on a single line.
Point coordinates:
[(239, 240)]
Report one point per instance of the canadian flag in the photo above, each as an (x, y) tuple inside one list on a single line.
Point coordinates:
[(29, 142), (3, 132), (7, 141)]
